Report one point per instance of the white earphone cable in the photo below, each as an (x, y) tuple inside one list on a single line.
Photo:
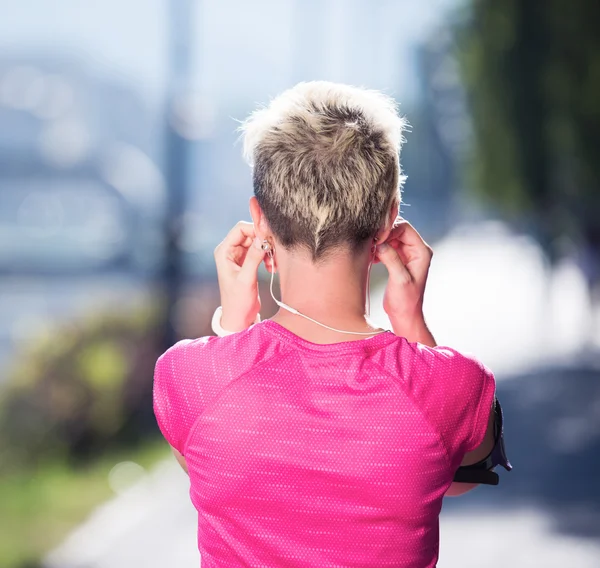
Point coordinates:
[(296, 312)]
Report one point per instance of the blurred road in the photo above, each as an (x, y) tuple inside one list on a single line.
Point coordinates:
[(489, 294)]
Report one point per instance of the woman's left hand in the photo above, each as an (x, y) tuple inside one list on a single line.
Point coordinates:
[(407, 258), (237, 258)]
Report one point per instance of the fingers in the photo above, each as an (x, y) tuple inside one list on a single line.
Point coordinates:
[(241, 232), (405, 238), (390, 258), (254, 256), (234, 246), (406, 233), (232, 252)]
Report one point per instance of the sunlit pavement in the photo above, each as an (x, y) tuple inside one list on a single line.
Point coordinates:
[(489, 294), (522, 538), (152, 524)]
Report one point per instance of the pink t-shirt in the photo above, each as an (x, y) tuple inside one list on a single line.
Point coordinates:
[(304, 455)]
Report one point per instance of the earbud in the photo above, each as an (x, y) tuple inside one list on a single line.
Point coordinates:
[(374, 245), (267, 248)]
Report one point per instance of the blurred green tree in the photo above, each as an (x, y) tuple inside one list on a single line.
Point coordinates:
[(81, 390), (532, 72)]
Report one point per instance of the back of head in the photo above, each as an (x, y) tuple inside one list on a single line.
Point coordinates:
[(326, 164)]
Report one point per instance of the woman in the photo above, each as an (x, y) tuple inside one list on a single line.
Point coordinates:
[(316, 439)]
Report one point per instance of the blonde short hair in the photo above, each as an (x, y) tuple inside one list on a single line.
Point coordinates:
[(325, 160)]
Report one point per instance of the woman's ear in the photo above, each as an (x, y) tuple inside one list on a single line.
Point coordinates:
[(385, 231), (262, 231), (394, 214), (258, 218)]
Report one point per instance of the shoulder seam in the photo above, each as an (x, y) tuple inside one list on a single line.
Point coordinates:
[(419, 406), (254, 367)]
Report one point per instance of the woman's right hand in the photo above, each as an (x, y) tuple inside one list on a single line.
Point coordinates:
[(237, 258), (407, 258)]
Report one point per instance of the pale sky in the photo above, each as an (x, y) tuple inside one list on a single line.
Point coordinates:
[(247, 46)]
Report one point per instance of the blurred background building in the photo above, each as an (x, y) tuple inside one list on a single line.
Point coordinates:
[(120, 172)]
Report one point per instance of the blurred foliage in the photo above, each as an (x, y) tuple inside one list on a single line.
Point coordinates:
[(81, 390), (532, 71)]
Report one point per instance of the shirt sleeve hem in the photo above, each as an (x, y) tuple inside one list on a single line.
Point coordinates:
[(161, 411), (484, 409)]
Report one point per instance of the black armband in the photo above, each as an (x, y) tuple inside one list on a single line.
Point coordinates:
[(481, 472)]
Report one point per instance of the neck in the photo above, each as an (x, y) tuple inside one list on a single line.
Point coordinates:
[(333, 292)]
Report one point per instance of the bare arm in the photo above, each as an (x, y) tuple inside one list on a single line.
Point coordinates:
[(407, 258), (180, 459), (415, 330)]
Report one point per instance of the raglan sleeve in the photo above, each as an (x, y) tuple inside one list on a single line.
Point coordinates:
[(457, 392)]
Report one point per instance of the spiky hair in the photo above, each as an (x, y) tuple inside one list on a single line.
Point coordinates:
[(325, 160)]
